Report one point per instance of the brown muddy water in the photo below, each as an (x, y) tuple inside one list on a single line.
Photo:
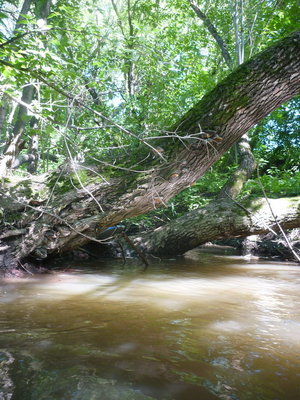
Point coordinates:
[(197, 328)]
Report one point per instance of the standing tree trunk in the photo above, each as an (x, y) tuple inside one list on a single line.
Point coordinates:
[(14, 144), (239, 177)]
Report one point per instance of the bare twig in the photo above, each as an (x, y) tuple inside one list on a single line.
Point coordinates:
[(276, 220), (82, 104), (250, 213), (135, 248), (43, 211)]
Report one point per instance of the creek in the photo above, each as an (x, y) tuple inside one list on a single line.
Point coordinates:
[(198, 327)]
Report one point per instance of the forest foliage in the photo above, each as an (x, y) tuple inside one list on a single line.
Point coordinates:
[(109, 77)]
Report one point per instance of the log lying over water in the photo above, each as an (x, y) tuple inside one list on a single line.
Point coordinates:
[(220, 220)]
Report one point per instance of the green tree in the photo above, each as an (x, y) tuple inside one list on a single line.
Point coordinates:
[(110, 85)]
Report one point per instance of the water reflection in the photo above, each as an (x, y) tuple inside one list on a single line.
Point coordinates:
[(210, 328)]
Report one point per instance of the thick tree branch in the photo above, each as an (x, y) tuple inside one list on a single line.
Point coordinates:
[(215, 34), (248, 94), (24, 11)]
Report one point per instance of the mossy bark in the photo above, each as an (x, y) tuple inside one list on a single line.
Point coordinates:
[(220, 219), (65, 221)]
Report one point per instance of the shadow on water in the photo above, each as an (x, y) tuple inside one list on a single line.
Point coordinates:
[(201, 327)]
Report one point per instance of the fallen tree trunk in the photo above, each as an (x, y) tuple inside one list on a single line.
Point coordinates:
[(221, 219), (51, 223)]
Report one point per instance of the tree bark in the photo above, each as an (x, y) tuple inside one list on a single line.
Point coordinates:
[(64, 222), (3, 112), (24, 11), (13, 145), (220, 219), (239, 177)]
